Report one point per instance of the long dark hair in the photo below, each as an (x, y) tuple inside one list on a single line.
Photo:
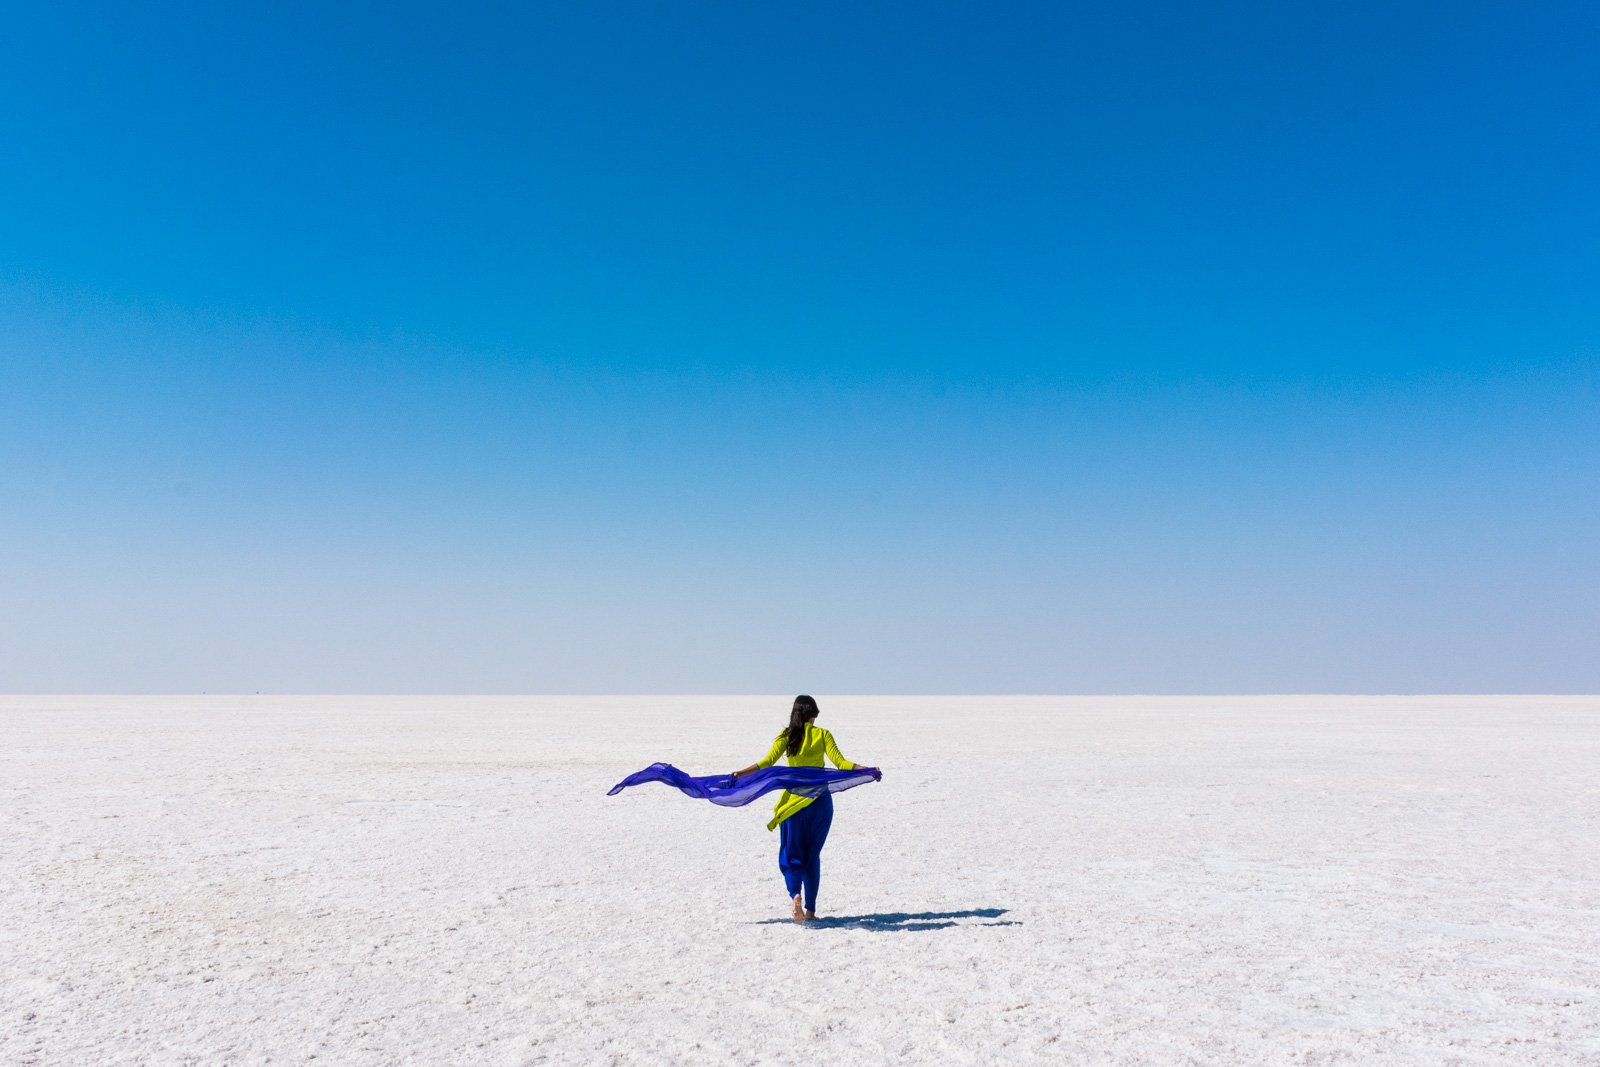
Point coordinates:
[(805, 709)]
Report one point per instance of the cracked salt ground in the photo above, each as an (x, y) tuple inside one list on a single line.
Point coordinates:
[(403, 804), (1097, 881)]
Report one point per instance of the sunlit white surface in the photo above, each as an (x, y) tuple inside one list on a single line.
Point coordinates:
[(1036, 880)]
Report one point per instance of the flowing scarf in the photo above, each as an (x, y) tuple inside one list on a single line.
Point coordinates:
[(733, 792)]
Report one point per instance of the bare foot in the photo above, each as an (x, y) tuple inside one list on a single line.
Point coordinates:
[(810, 916), (799, 911)]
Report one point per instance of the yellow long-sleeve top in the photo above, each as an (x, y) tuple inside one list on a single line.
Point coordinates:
[(817, 743)]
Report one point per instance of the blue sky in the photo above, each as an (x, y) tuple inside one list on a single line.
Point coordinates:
[(773, 347)]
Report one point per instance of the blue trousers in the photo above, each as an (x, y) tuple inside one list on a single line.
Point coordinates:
[(800, 839)]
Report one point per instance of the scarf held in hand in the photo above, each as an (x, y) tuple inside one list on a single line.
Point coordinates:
[(733, 792)]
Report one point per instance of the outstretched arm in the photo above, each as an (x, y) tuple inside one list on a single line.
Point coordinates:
[(772, 757), (833, 753)]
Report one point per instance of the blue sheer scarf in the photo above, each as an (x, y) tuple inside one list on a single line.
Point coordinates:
[(724, 789)]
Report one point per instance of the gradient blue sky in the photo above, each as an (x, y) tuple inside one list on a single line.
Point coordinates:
[(767, 347)]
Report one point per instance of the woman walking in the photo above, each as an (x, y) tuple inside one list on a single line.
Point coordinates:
[(802, 821)]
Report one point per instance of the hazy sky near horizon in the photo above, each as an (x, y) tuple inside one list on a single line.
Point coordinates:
[(769, 347)]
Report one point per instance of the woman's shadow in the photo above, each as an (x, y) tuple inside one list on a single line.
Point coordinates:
[(901, 920)]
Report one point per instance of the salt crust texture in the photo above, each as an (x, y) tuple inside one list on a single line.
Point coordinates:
[(1286, 880)]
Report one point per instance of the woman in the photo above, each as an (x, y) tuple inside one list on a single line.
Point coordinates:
[(802, 821)]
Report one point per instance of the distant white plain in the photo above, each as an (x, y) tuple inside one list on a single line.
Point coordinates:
[(1284, 880)]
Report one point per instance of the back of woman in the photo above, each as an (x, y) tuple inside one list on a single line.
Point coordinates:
[(803, 821), (815, 743)]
